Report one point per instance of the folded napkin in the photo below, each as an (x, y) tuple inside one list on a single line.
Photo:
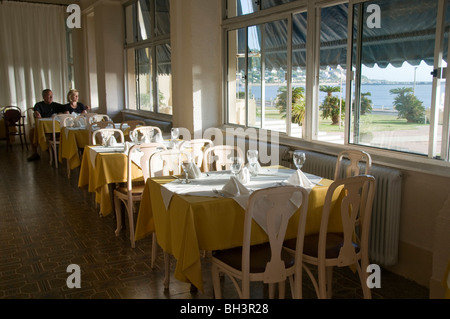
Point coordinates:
[(111, 141), (255, 169), (299, 179), (244, 175), (194, 172), (235, 188), (263, 205)]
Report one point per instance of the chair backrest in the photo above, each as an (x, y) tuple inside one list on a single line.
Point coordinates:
[(94, 126), (131, 124), (105, 134), (144, 151), (12, 116), (275, 206), (355, 199), (145, 133), (219, 157), (95, 117), (355, 157), (71, 120), (197, 148), (165, 163), (61, 120)]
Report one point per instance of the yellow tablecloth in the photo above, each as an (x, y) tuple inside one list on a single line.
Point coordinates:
[(194, 223), (109, 168), (43, 126), (70, 141)]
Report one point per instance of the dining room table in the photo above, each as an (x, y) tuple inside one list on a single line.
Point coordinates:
[(44, 126), (102, 167), (202, 216), (75, 138)]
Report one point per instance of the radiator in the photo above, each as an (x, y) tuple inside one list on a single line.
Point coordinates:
[(385, 224)]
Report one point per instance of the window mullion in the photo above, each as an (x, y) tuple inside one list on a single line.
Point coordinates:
[(438, 54)]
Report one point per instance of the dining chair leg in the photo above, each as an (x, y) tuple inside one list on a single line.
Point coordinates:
[(118, 215), (216, 282), (166, 270)]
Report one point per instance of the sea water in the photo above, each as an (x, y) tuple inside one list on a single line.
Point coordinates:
[(380, 93)]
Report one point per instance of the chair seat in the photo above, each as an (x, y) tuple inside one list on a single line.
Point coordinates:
[(333, 245), (259, 257), (136, 191)]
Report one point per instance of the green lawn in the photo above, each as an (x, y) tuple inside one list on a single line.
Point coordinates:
[(369, 122)]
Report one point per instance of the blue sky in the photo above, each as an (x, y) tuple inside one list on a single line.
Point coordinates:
[(405, 73)]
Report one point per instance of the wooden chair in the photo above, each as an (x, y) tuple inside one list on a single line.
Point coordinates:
[(356, 157), (54, 139), (197, 147), (145, 134), (219, 157), (131, 124), (94, 126), (130, 194), (106, 134), (128, 126), (95, 117), (268, 262), (339, 249), (14, 125)]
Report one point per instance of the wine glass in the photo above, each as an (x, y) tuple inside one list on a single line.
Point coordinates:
[(299, 159), (174, 132), (236, 165), (186, 164), (252, 157)]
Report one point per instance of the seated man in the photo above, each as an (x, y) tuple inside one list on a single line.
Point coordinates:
[(45, 108)]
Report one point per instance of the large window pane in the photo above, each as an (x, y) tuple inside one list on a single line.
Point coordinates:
[(144, 79), (332, 73), (236, 76), (143, 20), (162, 17), (254, 76), (298, 73), (394, 93), (164, 79), (241, 7), (275, 86)]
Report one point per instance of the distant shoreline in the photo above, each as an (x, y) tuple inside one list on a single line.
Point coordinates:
[(343, 83)]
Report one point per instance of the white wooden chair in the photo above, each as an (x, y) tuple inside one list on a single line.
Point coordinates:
[(356, 157), (219, 157), (197, 147), (54, 139), (105, 134), (268, 262), (145, 134), (132, 192), (339, 249)]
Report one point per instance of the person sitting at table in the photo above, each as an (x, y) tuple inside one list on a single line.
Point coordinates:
[(74, 106), (45, 108)]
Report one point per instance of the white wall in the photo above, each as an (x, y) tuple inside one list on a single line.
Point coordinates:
[(196, 64)]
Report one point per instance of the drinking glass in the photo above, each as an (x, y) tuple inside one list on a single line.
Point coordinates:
[(186, 166), (299, 159), (252, 157), (236, 166), (174, 133)]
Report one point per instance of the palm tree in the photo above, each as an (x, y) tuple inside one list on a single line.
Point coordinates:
[(330, 105), (408, 105), (298, 103)]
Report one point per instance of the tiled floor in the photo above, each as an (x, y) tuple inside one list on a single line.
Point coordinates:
[(47, 223)]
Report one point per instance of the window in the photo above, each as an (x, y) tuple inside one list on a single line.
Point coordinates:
[(148, 56), (374, 75), (260, 71)]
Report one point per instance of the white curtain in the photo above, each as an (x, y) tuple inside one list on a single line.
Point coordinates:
[(32, 53)]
